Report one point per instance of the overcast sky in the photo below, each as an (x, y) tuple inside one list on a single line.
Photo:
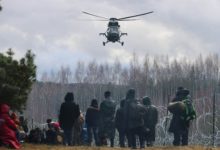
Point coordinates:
[(57, 34)]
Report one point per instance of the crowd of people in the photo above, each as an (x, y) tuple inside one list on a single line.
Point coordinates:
[(135, 120)]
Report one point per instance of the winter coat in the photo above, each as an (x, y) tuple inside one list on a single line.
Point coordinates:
[(177, 124), (150, 121), (151, 117), (107, 110), (7, 128), (119, 120), (92, 117), (69, 112), (133, 114), (107, 118)]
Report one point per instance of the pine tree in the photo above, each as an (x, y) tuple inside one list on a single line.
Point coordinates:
[(16, 79), (0, 7)]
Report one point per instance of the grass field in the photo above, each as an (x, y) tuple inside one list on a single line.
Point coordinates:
[(46, 147)]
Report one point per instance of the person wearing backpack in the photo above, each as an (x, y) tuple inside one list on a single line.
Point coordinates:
[(183, 112)]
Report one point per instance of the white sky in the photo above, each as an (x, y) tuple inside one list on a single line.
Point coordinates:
[(55, 32)]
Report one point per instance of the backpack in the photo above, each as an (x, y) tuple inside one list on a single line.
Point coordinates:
[(108, 108), (189, 112), (137, 112)]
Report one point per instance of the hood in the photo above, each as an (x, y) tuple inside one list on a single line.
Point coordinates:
[(182, 94), (94, 103), (69, 97), (146, 101), (130, 94), (4, 108)]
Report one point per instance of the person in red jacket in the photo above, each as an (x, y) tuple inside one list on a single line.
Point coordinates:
[(7, 128)]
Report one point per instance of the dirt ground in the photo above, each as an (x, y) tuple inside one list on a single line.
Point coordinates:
[(47, 147)]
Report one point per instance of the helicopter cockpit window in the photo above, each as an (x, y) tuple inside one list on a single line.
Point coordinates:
[(113, 24)]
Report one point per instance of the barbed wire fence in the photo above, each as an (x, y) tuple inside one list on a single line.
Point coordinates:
[(201, 129)]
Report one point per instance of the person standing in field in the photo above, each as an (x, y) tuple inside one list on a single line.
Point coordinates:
[(120, 124), (183, 112), (134, 119), (69, 112), (107, 125), (150, 121), (92, 121)]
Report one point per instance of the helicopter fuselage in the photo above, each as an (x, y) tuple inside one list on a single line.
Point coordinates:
[(113, 33), (113, 30)]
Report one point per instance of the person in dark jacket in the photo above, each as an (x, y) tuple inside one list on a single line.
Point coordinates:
[(150, 121), (120, 124), (134, 118), (51, 134), (107, 118), (23, 123), (179, 127), (69, 112), (92, 121)]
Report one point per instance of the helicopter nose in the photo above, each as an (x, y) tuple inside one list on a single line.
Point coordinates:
[(113, 37)]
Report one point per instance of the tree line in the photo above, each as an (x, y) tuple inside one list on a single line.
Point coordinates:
[(156, 77)]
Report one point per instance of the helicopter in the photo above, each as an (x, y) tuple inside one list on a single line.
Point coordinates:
[(113, 33)]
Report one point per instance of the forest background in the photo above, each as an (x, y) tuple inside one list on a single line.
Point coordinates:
[(157, 77)]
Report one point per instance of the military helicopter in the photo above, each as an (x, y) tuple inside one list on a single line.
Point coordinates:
[(113, 33)]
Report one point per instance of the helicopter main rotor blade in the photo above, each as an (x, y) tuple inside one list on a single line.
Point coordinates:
[(94, 15), (135, 15), (127, 19), (93, 19)]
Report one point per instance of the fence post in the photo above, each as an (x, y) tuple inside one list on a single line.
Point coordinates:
[(213, 125), (166, 120), (32, 123)]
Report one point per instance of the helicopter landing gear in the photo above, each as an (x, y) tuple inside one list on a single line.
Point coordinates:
[(105, 43), (122, 43)]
